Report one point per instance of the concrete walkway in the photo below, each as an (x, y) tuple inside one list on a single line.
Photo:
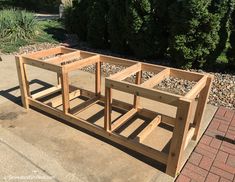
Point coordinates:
[(214, 157)]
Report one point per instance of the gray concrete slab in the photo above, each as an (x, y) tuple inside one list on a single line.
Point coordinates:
[(60, 152)]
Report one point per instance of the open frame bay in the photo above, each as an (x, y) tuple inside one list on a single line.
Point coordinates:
[(62, 60)]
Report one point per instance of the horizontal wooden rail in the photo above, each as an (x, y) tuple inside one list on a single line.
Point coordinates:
[(123, 119), (150, 83), (148, 129), (197, 88), (157, 95), (82, 63), (45, 53), (64, 57), (46, 92), (126, 72), (41, 64)]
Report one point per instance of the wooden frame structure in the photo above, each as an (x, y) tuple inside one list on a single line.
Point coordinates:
[(186, 127)]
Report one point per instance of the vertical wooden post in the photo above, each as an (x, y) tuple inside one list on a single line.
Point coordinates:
[(137, 81), (179, 136), (201, 105), (108, 109), (98, 79), (22, 81), (65, 91)]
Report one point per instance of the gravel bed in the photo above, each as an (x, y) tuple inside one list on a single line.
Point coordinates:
[(222, 92)]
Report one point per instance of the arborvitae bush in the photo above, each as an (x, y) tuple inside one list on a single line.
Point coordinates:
[(117, 25), (97, 34), (193, 32), (141, 28), (231, 49), (224, 10)]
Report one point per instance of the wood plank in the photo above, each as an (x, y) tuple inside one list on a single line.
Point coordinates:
[(57, 101), (123, 119), (45, 53), (196, 88), (201, 105), (46, 92), (108, 109), (128, 143), (22, 82), (186, 75), (82, 63), (136, 102), (148, 129), (65, 91), (189, 137), (65, 57), (126, 72), (179, 137), (66, 50), (42, 64), (83, 106), (150, 83), (98, 78), (153, 94)]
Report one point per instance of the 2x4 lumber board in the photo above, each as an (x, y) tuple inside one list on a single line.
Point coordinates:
[(64, 57), (148, 129), (22, 82), (98, 78), (45, 53), (42, 64), (201, 105), (128, 143), (179, 137), (66, 50), (85, 54), (123, 119), (152, 67), (136, 102), (126, 72), (82, 63), (154, 94), (150, 83), (65, 91), (46, 92), (116, 60), (189, 137), (186, 75), (196, 88), (57, 101), (108, 109), (83, 106)]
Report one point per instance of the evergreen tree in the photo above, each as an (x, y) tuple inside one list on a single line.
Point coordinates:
[(97, 34), (224, 9), (193, 32), (117, 25), (141, 28), (231, 49)]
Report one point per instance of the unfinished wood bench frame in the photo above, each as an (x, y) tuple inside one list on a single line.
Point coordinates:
[(183, 131)]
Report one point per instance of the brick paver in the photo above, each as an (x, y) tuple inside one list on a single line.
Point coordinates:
[(214, 157)]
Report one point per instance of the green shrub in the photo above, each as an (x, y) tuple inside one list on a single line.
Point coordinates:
[(141, 28), (231, 49), (17, 25), (97, 30), (117, 25), (193, 32), (224, 10)]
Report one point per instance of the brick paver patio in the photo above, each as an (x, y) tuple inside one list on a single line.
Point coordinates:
[(214, 157)]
